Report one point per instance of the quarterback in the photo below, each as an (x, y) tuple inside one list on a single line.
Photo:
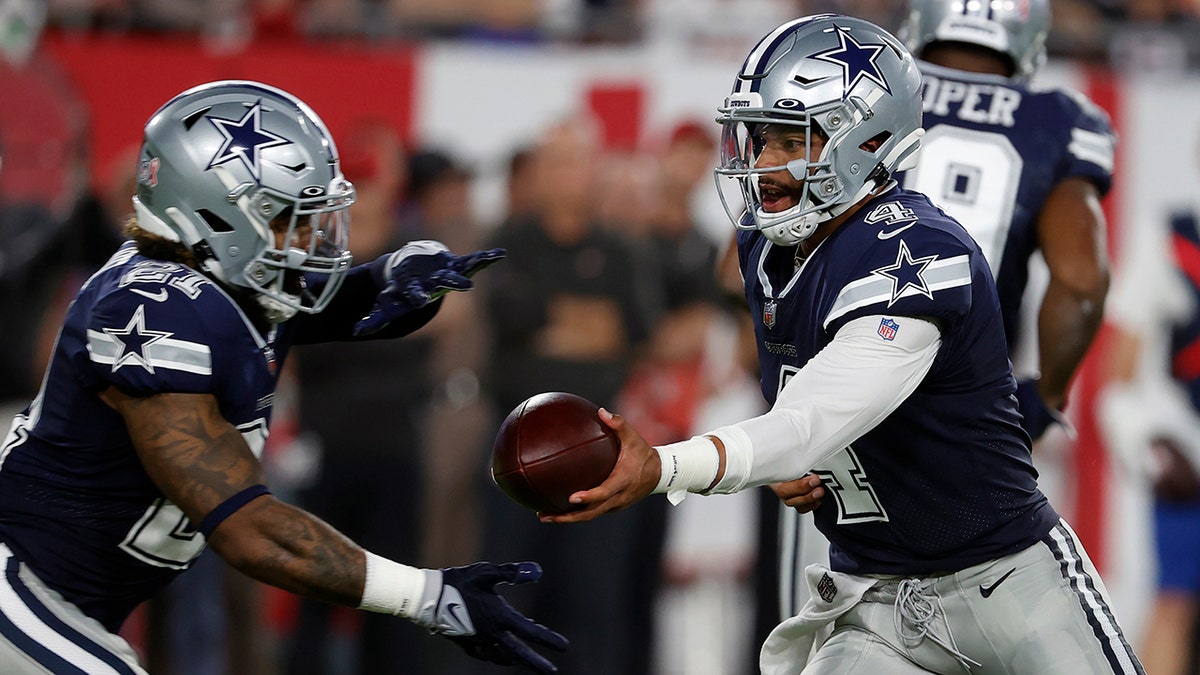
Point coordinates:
[(883, 356)]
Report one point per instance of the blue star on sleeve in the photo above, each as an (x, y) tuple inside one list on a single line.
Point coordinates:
[(133, 341), (907, 272)]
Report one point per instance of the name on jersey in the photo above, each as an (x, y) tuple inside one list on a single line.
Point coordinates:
[(780, 348), (975, 102)]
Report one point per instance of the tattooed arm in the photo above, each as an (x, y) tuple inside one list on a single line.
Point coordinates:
[(199, 460)]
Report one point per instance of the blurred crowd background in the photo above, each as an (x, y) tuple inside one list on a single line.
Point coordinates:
[(618, 288), (1098, 29)]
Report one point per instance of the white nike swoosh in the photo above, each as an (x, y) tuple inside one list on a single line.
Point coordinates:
[(898, 230), (160, 296)]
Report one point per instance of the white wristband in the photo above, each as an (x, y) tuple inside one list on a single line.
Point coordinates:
[(392, 588), (687, 466)]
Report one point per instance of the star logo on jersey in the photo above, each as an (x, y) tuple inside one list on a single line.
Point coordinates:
[(245, 140), (907, 272), (133, 340), (856, 60)]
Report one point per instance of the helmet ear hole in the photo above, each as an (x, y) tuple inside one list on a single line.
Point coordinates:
[(215, 223), (875, 142)]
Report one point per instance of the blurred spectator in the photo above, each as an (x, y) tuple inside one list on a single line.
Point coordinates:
[(365, 410), (438, 206), (42, 180), (1151, 413), (520, 186), (569, 309)]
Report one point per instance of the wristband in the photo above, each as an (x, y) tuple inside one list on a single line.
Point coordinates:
[(393, 588), (687, 466)]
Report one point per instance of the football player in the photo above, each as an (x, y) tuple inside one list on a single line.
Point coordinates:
[(142, 446), (883, 355), (1023, 169)]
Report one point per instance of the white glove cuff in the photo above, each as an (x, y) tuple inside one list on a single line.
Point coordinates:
[(413, 248), (687, 466), (394, 588)]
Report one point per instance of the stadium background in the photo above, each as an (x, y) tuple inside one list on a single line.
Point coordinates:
[(481, 101)]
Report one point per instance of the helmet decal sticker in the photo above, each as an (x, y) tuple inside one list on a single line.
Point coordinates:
[(856, 60), (244, 140)]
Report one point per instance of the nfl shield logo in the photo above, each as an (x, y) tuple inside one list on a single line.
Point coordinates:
[(887, 329), (826, 588), (769, 313)]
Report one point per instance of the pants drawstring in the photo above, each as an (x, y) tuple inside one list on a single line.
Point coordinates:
[(916, 608)]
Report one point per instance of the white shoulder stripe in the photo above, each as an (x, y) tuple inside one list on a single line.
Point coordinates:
[(1093, 147), (169, 353), (873, 289)]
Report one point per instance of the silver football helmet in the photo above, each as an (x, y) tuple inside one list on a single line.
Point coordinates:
[(841, 77), (247, 177), (1015, 28)]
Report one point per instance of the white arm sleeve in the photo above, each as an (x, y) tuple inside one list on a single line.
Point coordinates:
[(843, 392)]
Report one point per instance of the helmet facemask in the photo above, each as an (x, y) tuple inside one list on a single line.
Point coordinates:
[(309, 235)]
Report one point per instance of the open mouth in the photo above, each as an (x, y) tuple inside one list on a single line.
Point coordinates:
[(776, 198)]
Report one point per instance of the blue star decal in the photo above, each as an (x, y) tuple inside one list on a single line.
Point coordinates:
[(134, 339), (244, 140), (906, 273), (857, 60)]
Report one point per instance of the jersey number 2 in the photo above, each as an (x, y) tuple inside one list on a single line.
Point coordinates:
[(163, 536)]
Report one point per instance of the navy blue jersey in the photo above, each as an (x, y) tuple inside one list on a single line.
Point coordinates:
[(946, 481), (75, 503), (993, 151)]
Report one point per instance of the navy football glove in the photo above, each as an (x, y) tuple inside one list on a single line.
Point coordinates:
[(417, 274), (1036, 416), (470, 612)]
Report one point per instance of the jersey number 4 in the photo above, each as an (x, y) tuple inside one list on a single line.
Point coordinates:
[(843, 477)]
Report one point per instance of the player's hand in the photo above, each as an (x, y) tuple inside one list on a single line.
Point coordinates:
[(470, 612), (416, 275), (634, 476), (803, 494), (1036, 416)]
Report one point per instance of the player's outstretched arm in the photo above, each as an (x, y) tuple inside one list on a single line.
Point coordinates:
[(635, 475), (417, 274), (205, 467)]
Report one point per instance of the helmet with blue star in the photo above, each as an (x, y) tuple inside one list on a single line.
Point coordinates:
[(247, 177), (1015, 30), (841, 88)]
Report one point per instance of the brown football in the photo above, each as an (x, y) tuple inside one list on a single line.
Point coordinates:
[(549, 447)]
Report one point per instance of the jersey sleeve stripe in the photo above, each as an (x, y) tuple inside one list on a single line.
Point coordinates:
[(1093, 147), (939, 275), (169, 353)]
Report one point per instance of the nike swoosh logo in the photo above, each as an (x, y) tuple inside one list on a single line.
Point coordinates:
[(898, 230), (160, 296), (986, 591), (452, 609)]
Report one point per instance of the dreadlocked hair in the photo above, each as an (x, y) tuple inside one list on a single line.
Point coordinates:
[(157, 247)]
